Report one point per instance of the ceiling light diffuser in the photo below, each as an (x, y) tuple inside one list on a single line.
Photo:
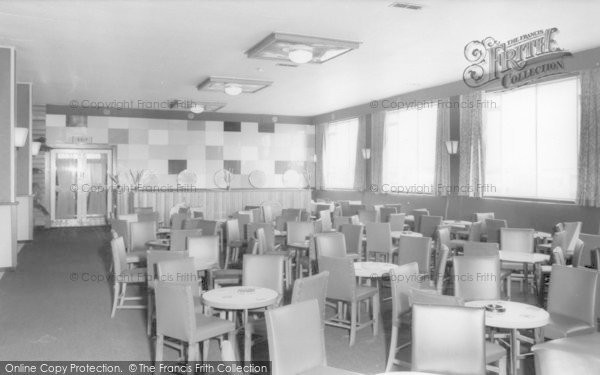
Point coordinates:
[(300, 55), (232, 86), (233, 89)]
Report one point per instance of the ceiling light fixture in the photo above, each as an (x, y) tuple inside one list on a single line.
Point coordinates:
[(301, 55), (233, 89)]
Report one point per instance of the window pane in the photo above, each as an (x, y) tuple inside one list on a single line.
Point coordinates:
[(339, 157), (531, 141)]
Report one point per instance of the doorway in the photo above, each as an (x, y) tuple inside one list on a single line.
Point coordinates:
[(80, 193)]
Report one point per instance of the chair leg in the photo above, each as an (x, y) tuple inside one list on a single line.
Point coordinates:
[(227, 256), (353, 308), (502, 366), (149, 313), (375, 312), (122, 295), (115, 299), (205, 349), (158, 353), (392, 353)]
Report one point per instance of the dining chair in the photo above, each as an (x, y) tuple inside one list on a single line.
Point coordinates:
[(140, 232), (343, 290), (398, 207), (297, 342), (367, 216), (177, 220), (454, 349), (417, 213), (153, 258), (243, 219), (379, 241), (441, 265), (319, 208), (356, 208), (327, 225), (312, 287), (144, 210), (415, 249), (517, 240), (429, 225), (442, 236), (385, 212), (481, 217), (353, 235), (148, 216), (190, 223), (177, 318), (179, 238), (477, 277), (473, 248), (571, 302), (196, 213), (267, 244), (558, 256), (474, 235), (397, 222), (572, 230), (492, 229), (256, 211), (291, 214), (179, 208), (330, 244), (123, 277), (595, 259), (402, 280), (582, 258), (338, 221), (205, 252), (235, 242)]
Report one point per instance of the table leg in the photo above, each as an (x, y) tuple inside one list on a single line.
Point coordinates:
[(513, 352), (247, 339)]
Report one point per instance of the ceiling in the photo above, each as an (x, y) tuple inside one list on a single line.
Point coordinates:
[(154, 51)]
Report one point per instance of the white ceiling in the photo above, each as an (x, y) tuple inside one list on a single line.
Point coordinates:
[(158, 50)]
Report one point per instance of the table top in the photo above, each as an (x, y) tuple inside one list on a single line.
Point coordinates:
[(373, 269), (299, 245), (517, 315), (159, 243), (458, 224), (240, 297), (407, 233), (163, 230), (542, 235), (519, 257)]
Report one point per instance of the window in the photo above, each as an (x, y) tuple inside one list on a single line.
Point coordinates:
[(409, 149), (531, 141), (339, 155)]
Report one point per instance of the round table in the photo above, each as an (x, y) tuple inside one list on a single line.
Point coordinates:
[(519, 257), (373, 269), (396, 234), (517, 316), (457, 224), (240, 298)]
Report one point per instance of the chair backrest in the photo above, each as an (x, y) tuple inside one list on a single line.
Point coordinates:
[(482, 217), (257, 216), (325, 217), (128, 217), (299, 231), (342, 283), (179, 208), (291, 214), (121, 227), (385, 212), (355, 209), (144, 210), (415, 249), (119, 258), (402, 280), (205, 251), (477, 277), (148, 216), (354, 220), (180, 270), (558, 256), (338, 221), (296, 340), (573, 293), (177, 220), (379, 237), (475, 231), (243, 219), (572, 230), (516, 239), (312, 287), (472, 248), (440, 268), (426, 297), (429, 225), (175, 315), (417, 213), (233, 230), (268, 232), (179, 238), (442, 236), (367, 216), (493, 229), (263, 271), (590, 241), (156, 256), (397, 222), (141, 232), (332, 244), (196, 213), (189, 223), (319, 208), (577, 259), (209, 227), (353, 235), (398, 207), (456, 348)]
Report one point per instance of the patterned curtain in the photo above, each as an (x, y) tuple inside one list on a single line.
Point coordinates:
[(442, 158), (588, 180), (360, 169), (377, 142), (319, 151), (471, 145)]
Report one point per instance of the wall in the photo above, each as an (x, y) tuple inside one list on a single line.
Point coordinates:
[(164, 147)]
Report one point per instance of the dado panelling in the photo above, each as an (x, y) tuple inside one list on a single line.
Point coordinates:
[(166, 147)]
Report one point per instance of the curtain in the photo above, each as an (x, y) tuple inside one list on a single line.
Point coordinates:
[(360, 169), (471, 175), (377, 142), (588, 180), (319, 151), (442, 158)]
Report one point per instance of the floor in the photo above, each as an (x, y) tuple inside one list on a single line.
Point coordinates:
[(56, 306)]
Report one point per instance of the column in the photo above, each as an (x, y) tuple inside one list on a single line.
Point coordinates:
[(24, 167)]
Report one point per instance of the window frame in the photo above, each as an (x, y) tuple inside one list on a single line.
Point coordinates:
[(354, 121)]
